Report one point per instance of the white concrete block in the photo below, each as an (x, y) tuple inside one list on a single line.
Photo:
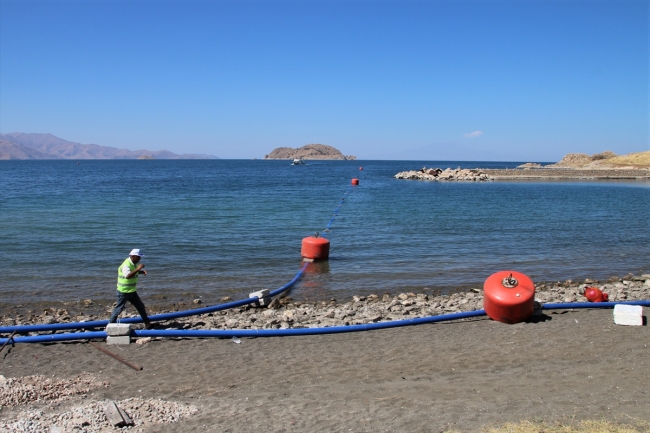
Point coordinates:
[(264, 297), (631, 315), (122, 339), (117, 329), (261, 294)]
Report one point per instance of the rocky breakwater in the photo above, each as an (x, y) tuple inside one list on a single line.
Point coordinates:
[(448, 174)]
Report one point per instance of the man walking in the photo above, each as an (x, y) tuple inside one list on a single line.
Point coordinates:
[(127, 278)]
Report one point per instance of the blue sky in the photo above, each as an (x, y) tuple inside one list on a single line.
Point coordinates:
[(427, 80)]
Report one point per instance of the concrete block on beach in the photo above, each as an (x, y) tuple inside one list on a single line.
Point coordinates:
[(122, 339), (116, 416), (264, 297), (118, 329), (630, 315), (113, 415)]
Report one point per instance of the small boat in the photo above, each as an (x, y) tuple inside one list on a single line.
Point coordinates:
[(298, 161)]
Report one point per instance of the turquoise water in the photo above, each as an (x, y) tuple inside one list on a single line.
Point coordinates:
[(215, 228)]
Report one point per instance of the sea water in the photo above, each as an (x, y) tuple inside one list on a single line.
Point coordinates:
[(216, 228)]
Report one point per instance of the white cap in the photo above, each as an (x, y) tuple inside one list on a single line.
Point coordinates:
[(136, 252)]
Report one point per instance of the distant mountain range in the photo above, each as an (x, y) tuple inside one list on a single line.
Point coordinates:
[(19, 145)]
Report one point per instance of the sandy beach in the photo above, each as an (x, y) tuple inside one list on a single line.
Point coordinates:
[(564, 366)]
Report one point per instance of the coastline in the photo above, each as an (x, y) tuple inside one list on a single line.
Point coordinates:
[(284, 312), (543, 173), (563, 366)]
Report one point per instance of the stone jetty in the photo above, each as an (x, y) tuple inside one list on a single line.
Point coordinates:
[(448, 174), (528, 171)]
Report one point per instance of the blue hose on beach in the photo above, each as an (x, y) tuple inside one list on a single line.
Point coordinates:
[(227, 333), (301, 331), (157, 317)]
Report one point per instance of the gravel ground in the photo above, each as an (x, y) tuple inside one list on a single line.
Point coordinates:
[(564, 366)]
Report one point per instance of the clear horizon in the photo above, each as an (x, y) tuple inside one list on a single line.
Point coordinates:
[(471, 81)]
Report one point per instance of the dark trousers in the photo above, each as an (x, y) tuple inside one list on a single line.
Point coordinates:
[(134, 299)]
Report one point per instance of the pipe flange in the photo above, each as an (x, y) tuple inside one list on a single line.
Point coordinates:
[(509, 282)]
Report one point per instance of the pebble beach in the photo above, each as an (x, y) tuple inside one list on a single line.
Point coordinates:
[(456, 376)]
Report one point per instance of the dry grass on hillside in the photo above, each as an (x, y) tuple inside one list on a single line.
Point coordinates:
[(638, 159)]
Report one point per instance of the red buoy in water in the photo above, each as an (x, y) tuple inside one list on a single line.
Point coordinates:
[(355, 181), (315, 248), (509, 297), (360, 168)]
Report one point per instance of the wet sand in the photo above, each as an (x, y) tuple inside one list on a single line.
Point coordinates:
[(462, 375)]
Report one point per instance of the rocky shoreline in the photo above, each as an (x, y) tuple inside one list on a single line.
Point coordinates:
[(525, 172), (284, 313)]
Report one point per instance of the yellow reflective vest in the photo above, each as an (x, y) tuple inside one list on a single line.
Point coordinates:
[(126, 285)]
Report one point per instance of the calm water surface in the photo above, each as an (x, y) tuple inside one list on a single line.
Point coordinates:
[(214, 228)]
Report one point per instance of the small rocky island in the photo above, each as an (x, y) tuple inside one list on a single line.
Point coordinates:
[(309, 151)]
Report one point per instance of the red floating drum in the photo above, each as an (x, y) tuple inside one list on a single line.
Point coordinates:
[(509, 297), (315, 248), (355, 181), (594, 294)]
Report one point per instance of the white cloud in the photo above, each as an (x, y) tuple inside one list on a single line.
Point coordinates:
[(473, 134)]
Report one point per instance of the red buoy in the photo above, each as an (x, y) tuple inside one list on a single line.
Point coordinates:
[(355, 181), (594, 294), (360, 168), (315, 248), (509, 297)]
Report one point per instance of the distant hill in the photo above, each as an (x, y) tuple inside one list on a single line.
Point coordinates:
[(309, 151), (19, 145), (605, 159)]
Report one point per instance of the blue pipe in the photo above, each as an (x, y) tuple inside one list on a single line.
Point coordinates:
[(336, 211), (307, 331), (156, 318), (50, 338), (303, 331), (251, 332)]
